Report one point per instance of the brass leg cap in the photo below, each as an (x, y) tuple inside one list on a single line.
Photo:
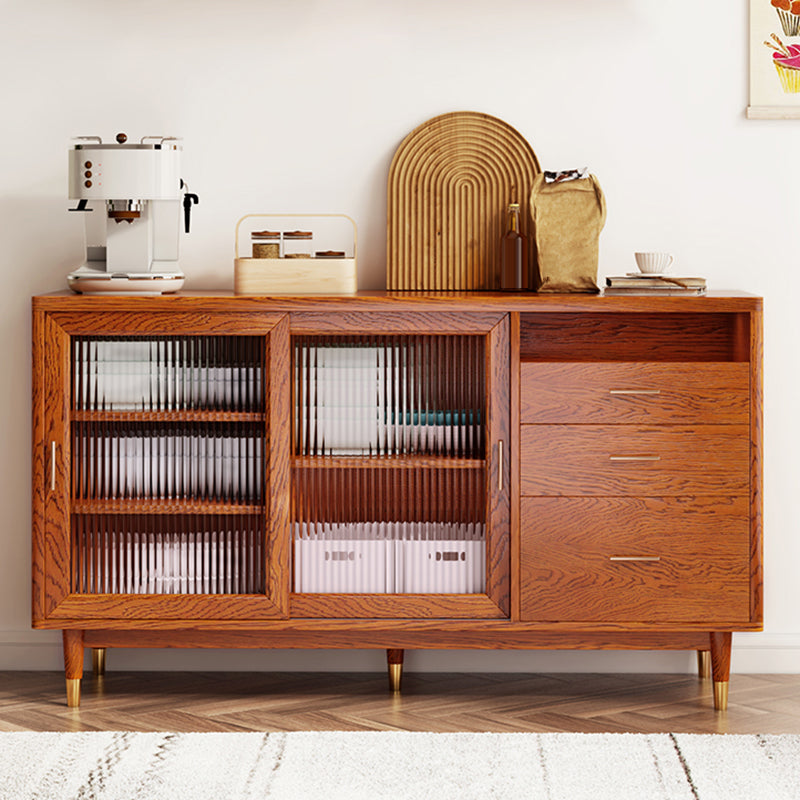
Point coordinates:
[(73, 692), (395, 674), (99, 661), (721, 695), (704, 664)]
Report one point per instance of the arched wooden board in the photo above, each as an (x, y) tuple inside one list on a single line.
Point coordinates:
[(450, 183)]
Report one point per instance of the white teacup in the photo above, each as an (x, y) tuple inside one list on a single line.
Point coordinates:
[(653, 263)]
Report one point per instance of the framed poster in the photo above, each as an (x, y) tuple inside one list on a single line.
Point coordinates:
[(774, 59)]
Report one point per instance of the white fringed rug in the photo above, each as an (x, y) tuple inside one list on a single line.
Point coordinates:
[(396, 765)]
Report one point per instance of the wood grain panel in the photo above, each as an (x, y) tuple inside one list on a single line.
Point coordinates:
[(57, 457), (703, 571), (138, 608), (714, 302), (498, 475), (38, 468), (395, 606), (618, 336), (472, 627), (757, 466), (585, 460), (450, 183), (389, 323), (379, 635), (635, 393), (277, 485), (165, 323)]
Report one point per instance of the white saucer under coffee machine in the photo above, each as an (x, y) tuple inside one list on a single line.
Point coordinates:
[(130, 196)]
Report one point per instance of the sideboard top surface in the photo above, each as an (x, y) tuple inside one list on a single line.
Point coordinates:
[(713, 302)]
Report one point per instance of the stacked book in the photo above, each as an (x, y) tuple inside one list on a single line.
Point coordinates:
[(640, 283)]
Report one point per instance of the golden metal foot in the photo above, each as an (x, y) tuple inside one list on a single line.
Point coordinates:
[(704, 664), (721, 695), (73, 692), (99, 661), (395, 675)]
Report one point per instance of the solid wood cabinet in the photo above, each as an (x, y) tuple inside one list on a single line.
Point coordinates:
[(397, 470)]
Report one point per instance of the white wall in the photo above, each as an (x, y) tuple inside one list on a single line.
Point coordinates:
[(300, 104)]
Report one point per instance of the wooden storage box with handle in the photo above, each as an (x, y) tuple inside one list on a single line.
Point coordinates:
[(314, 275)]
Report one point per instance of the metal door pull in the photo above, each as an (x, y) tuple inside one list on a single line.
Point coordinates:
[(634, 558)]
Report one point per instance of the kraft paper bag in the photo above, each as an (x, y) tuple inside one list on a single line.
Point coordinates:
[(567, 219)]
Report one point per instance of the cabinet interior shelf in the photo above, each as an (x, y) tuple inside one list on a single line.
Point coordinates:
[(168, 416), (168, 507), (386, 462)]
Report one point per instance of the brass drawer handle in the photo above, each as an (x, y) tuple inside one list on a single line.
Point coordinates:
[(634, 558), (52, 466), (500, 468), (634, 458), (635, 391)]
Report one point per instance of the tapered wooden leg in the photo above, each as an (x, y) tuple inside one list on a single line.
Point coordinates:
[(73, 665), (99, 661), (704, 664), (394, 658), (721, 667)]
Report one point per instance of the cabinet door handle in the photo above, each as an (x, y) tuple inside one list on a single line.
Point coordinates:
[(52, 466), (634, 391), (634, 558), (634, 458), (500, 465)]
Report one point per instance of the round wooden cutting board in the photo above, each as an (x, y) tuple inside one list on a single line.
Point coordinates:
[(450, 184)]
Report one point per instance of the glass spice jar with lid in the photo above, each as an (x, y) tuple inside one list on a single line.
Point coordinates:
[(266, 244), (298, 244)]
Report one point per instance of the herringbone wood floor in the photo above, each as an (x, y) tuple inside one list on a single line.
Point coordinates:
[(429, 702)]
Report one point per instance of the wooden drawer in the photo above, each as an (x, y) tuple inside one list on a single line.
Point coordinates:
[(634, 460), (639, 393), (575, 567)]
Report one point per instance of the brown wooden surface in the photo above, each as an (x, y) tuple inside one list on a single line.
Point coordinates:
[(157, 321), (57, 447), (157, 506), (395, 606), (388, 322), (757, 467), (39, 460), (254, 308), (721, 643), (719, 332), (635, 393), (619, 336), (450, 183), (167, 416), (276, 476), (498, 476), (579, 460), (441, 702), (419, 634), (703, 545), (73, 653)]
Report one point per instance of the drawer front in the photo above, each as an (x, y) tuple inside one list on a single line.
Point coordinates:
[(582, 460), (636, 393), (635, 559)]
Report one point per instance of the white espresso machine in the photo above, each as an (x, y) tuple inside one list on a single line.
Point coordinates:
[(130, 196)]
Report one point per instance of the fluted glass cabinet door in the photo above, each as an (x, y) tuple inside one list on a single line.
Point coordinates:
[(400, 462), (161, 474)]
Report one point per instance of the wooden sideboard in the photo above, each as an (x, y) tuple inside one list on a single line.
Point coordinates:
[(397, 471)]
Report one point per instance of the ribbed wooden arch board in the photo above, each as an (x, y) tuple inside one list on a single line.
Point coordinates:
[(450, 183)]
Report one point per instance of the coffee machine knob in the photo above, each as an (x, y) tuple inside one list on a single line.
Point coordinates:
[(122, 138)]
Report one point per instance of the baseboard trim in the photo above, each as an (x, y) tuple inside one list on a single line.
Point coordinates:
[(752, 653)]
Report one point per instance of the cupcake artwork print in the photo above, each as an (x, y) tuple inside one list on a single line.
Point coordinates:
[(786, 59), (789, 15), (774, 59)]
